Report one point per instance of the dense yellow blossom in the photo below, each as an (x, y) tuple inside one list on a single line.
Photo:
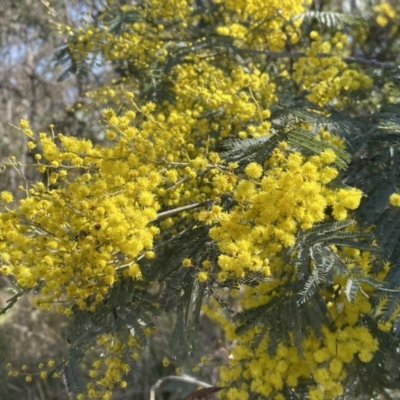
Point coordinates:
[(325, 75), (6, 196), (102, 209), (323, 359), (290, 196)]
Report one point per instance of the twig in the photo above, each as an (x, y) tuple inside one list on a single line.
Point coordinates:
[(174, 211), (296, 55), (183, 378)]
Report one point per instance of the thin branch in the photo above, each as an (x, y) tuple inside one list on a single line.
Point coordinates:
[(183, 378), (178, 210), (295, 55), (374, 63)]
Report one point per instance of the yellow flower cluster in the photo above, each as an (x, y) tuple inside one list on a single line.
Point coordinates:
[(324, 75), (290, 195), (326, 136), (92, 219), (43, 374), (323, 361), (143, 44), (89, 222), (270, 22), (385, 13), (244, 96), (110, 371)]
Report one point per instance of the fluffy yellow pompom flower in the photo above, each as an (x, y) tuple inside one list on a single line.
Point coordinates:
[(365, 356), (315, 393), (394, 200), (108, 113), (134, 271), (186, 262), (6, 196), (23, 123), (328, 156), (349, 198), (253, 170), (165, 362), (202, 276)]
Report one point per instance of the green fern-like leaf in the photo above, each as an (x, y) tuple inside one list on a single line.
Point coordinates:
[(245, 151), (304, 140), (351, 289), (179, 334), (310, 287), (330, 18), (73, 374), (136, 327)]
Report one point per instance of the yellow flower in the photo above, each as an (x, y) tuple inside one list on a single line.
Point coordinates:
[(134, 271), (254, 170), (23, 123), (321, 355), (31, 145), (394, 200), (223, 276), (315, 393), (223, 30), (349, 198), (93, 373), (335, 367), (328, 156), (186, 262), (6, 196), (108, 113), (165, 362), (202, 276), (110, 135), (150, 255), (381, 20), (148, 108), (321, 376), (365, 356)]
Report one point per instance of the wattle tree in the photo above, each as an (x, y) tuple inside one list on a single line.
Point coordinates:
[(248, 172)]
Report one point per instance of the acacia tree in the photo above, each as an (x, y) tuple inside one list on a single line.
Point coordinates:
[(250, 155)]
